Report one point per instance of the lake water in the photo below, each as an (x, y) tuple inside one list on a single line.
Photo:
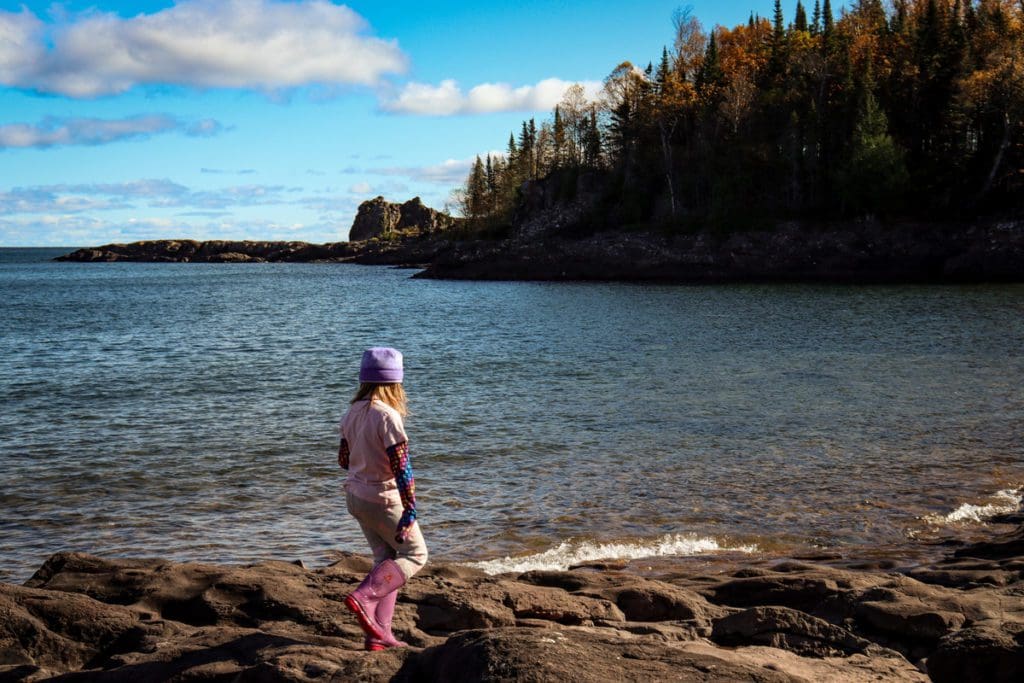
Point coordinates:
[(190, 411)]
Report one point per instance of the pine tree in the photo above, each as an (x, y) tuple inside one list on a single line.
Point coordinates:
[(899, 18), (664, 66), (710, 72), (800, 23), (875, 175), (491, 177), (872, 13), (957, 33), (533, 149), (816, 18), (828, 37), (476, 191), (558, 140), (777, 61), (524, 168), (592, 152)]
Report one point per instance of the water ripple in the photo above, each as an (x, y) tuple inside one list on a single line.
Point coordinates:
[(190, 411)]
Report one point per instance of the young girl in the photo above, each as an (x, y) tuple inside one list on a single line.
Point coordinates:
[(381, 492)]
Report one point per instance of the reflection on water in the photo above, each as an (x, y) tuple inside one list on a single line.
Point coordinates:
[(189, 410)]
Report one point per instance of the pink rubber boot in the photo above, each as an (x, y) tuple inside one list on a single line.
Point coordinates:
[(385, 610), (385, 578)]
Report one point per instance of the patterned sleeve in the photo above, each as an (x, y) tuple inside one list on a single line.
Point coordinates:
[(401, 467), (343, 454)]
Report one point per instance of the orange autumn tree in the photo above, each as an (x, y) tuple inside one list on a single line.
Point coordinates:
[(902, 107)]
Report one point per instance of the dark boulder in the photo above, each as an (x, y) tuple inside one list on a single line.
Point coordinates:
[(980, 654)]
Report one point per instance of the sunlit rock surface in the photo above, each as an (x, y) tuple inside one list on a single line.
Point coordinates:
[(87, 618)]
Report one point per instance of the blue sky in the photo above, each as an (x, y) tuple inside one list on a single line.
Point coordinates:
[(266, 119)]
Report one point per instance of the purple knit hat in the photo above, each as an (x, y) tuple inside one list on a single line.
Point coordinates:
[(381, 365)]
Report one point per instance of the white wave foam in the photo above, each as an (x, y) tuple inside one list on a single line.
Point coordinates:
[(570, 553), (1003, 502)]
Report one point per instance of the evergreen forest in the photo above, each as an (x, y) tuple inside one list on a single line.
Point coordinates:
[(913, 109)]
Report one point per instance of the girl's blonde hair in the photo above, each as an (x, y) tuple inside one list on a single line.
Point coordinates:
[(393, 394)]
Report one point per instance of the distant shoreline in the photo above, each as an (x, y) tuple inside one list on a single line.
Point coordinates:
[(853, 253)]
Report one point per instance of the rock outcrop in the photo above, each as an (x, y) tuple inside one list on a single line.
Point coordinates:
[(85, 618), (856, 253), (382, 233), (546, 244), (214, 251), (378, 217), (375, 217)]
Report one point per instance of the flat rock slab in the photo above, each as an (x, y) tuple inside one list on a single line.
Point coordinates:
[(87, 618)]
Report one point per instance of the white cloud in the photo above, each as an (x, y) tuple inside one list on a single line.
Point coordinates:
[(361, 188), (53, 132), (43, 200), (257, 44), (152, 193), (77, 230), (144, 189), (223, 171), (448, 172), (447, 99)]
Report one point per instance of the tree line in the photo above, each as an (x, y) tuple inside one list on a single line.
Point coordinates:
[(916, 109)]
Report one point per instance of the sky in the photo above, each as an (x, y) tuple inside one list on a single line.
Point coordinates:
[(274, 119)]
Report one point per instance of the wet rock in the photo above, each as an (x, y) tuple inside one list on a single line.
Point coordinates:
[(1005, 546)]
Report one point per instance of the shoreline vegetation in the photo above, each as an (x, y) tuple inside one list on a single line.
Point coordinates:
[(820, 617), (880, 145)]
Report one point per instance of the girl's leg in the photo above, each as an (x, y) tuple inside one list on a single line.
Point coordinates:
[(375, 609), (378, 522), (362, 511)]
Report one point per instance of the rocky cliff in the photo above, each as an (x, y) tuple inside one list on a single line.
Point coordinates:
[(378, 217), (84, 618)]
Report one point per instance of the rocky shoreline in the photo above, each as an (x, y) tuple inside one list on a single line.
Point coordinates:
[(553, 239), (85, 618), (861, 253), (867, 252)]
